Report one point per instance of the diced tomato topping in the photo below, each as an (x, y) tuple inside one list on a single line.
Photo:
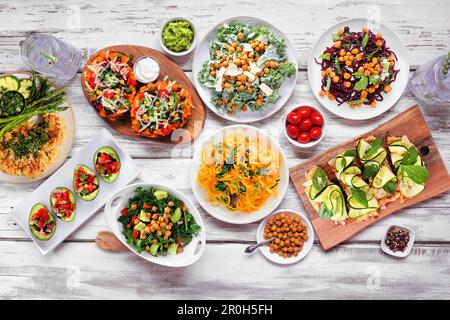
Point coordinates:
[(108, 94), (135, 234), (146, 206), (124, 211)]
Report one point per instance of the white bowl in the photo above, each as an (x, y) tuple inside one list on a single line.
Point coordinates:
[(202, 54), (399, 254), (182, 53), (364, 112), (274, 257), (222, 213), (192, 252), (312, 142)]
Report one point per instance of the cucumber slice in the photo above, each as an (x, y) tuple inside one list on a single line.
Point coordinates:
[(359, 183), (362, 148), (398, 149), (347, 175), (26, 88), (409, 188), (381, 156), (9, 83), (383, 176)]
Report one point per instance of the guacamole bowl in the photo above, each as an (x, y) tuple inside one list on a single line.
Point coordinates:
[(178, 36)]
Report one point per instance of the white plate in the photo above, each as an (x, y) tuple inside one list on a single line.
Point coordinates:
[(398, 254), (64, 178), (221, 212), (202, 54), (191, 253), (265, 250), (364, 112), (64, 148)]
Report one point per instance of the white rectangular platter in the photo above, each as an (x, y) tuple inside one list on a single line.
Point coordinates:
[(63, 177)]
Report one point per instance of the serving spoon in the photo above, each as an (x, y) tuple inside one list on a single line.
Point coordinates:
[(253, 247)]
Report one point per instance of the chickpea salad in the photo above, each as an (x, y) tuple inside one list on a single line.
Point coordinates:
[(157, 222), (246, 68), (358, 68)]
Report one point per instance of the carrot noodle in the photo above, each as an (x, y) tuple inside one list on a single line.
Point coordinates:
[(240, 172)]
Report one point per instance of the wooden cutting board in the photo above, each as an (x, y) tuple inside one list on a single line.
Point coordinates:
[(411, 123), (195, 123)]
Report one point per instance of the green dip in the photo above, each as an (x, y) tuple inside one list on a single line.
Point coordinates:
[(178, 35)]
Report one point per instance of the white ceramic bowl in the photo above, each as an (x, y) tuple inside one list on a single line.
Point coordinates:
[(222, 213), (182, 53), (312, 142), (202, 54), (192, 252), (399, 254), (274, 257), (364, 112)]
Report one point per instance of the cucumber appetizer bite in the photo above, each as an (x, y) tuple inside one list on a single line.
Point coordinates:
[(362, 203), (41, 222), (107, 164), (63, 203), (377, 169), (157, 222), (85, 183), (409, 166), (326, 197)]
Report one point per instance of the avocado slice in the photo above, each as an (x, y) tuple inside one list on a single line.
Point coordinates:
[(154, 249), (71, 199), (172, 250), (35, 229), (143, 216), (140, 226), (113, 154), (160, 194), (176, 215), (91, 196)]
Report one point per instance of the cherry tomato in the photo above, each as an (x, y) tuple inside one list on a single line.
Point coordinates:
[(315, 132), (304, 111), (305, 125), (294, 118), (292, 131), (304, 137), (317, 118)]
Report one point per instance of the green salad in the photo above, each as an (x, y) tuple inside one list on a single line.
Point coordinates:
[(157, 222), (246, 68)]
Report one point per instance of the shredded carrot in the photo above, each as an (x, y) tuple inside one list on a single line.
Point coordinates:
[(240, 172)]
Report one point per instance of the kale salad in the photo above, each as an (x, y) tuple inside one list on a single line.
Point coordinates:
[(157, 222), (246, 68)]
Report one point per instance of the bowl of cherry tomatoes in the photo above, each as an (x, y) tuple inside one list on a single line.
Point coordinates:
[(304, 126)]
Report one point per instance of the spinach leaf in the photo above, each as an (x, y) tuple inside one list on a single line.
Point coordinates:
[(389, 187), (319, 179), (325, 56), (410, 156), (327, 87), (418, 174), (361, 84), (338, 66), (350, 153), (360, 196), (365, 40), (375, 145)]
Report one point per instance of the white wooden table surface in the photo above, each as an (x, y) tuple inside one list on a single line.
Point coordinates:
[(354, 270)]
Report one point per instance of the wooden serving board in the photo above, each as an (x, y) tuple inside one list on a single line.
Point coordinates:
[(411, 123), (195, 123)]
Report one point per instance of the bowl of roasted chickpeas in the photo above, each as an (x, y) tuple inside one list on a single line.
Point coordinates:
[(292, 233)]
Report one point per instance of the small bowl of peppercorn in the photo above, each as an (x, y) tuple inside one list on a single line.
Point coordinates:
[(398, 241)]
